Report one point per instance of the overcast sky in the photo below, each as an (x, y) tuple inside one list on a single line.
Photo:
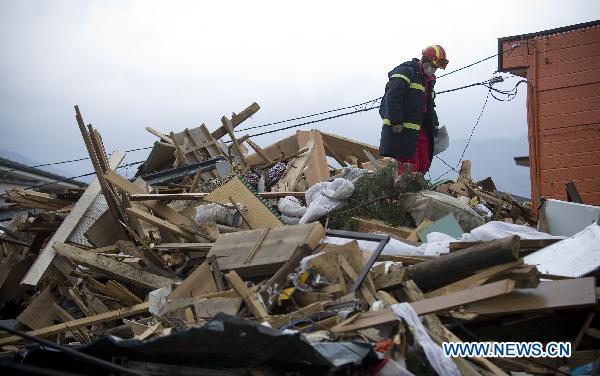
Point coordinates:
[(177, 64)]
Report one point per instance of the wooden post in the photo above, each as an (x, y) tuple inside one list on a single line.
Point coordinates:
[(441, 271)]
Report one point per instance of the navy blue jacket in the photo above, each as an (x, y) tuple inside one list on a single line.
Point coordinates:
[(403, 104)]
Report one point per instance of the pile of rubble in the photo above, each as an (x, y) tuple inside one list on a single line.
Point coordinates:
[(214, 260)]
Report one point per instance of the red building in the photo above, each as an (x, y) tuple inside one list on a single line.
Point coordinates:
[(562, 67)]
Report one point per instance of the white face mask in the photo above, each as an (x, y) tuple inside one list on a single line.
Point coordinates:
[(429, 68)]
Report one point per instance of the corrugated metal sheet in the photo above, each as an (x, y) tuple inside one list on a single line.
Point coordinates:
[(563, 107)]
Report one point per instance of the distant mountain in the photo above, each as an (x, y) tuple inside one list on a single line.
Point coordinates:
[(489, 157)]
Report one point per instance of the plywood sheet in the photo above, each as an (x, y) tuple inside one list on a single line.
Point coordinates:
[(258, 214), (238, 251), (344, 147), (567, 293)]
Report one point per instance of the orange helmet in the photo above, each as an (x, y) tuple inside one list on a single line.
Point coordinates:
[(437, 55)]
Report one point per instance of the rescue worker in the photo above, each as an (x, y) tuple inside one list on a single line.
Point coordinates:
[(408, 111)]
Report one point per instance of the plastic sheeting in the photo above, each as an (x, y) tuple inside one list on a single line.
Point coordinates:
[(438, 243), (444, 366), (435, 205), (291, 210), (574, 257), (224, 342)]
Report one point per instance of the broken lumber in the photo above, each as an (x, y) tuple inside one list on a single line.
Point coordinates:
[(66, 227), (431, 305), (79, 323), (441, 271), (201, 196), (244, 292), (113, 268)]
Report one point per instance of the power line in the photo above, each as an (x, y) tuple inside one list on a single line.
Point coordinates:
[(371, 102), (487, 97), (375, 99), (69, 161)]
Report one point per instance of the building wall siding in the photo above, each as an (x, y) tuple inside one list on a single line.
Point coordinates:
[(563, 104)]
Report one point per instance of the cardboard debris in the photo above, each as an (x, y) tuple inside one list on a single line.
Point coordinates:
[(89, 265)]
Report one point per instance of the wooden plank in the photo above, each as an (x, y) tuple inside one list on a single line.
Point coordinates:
[(118, 291), (474, 280), (525, 244), (163, 137), (260, 152), (277, 247), (239, 154), (80, 323), (236, 120), (240, 287), (414, 235), (160, 209), (345, 147), (46, 256), (316, 170), (201, 196), (563, 294), (465, 172), (258, 215), (39, 313), (282, 148), (431, 305), (312, 309), (174, 229), (113, 268), (391, 280), (66, 317), (331, 153), (294, 171), (198, 283), (350, 272), (365, 225), (101, 233), (441, 271)]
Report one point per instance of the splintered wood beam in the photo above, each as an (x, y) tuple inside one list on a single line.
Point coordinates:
[(465, 172), (46, 256), (439, 272), (80, 323), (260, 152), (200, 196), (180, 153), (163, 137), (165, 225), (244, 292), (430, 305), (93, 144), (163, 211), (236, 146), (236, 120), (113, 268)]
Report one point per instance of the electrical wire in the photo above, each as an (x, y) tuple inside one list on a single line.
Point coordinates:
[(487, 97), (366, 106), (70, 161), (72, 178), (373, 101)]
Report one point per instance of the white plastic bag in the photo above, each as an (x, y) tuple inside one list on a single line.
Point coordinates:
[(323, 197), (291, 207), (443, 365)]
